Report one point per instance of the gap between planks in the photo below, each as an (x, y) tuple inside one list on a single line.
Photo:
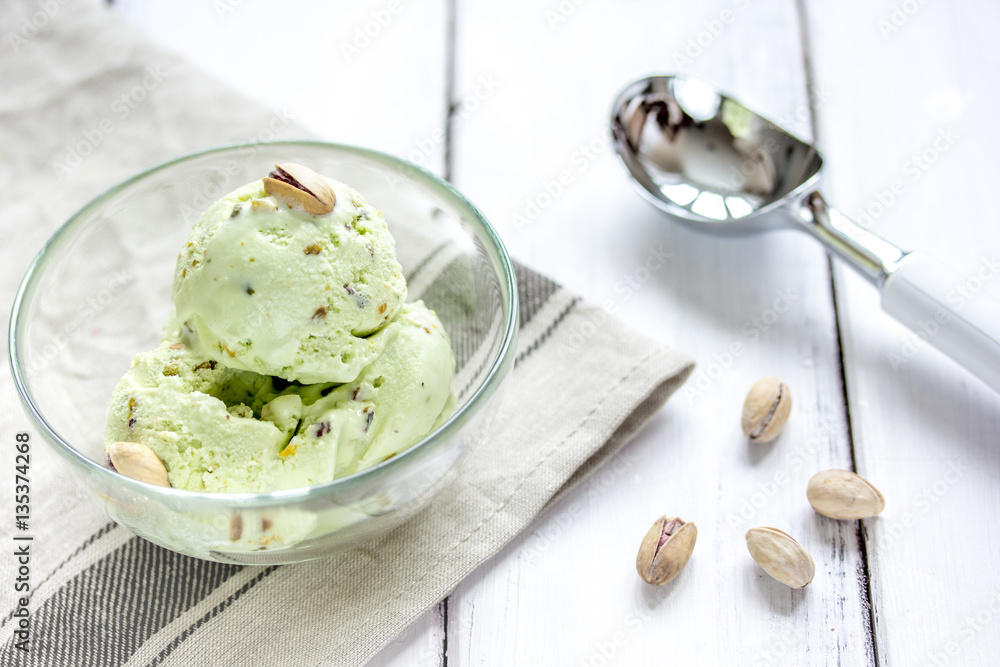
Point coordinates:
[(864, 573), (450, 106)]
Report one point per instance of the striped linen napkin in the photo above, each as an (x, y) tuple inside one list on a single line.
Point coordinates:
[(99, 595)]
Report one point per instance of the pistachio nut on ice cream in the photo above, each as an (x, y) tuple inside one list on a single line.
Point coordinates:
[(292, 358)]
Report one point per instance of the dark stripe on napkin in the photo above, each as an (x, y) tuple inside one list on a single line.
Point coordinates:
[(453, 297), (544, 336), (454, 303), (411, 275), (105, 529), (222, 606), (533, 290), (106, 612)]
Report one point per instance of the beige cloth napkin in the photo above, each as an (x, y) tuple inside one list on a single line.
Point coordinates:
[(583, 384)]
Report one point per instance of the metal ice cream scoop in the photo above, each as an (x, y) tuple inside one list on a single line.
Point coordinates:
[(716, 166)]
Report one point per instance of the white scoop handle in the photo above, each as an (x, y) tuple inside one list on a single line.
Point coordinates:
[(937, 303), (948, 311)]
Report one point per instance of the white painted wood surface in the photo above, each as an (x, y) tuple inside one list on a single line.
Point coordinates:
[(531, 89), (924, 431)]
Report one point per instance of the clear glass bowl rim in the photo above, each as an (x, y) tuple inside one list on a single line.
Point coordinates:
[(498, 370)]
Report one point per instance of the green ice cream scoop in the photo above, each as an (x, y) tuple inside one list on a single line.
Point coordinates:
[(268, 287), (222, 430)]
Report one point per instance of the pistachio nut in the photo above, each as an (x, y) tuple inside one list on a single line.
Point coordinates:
[(766, 409), (138, 461), (665, 550), (840, 494), (300, 187), (263, 206), (781, 556)]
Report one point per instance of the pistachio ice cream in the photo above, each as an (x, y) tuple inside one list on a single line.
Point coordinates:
[(291, 359)]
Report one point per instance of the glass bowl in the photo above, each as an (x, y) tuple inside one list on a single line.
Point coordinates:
[(99, 292)]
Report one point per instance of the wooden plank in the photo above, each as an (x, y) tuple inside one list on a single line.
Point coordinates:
[(908, 137), (422, 643), (368, 73), (566, 592)]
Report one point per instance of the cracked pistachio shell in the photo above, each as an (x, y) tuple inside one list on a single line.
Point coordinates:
[(665, 550), (766, 409), (311, 193), (139, 462), (781, 556), (840, 494)]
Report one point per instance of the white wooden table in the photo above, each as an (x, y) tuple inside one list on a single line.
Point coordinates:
[(502, 98)]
